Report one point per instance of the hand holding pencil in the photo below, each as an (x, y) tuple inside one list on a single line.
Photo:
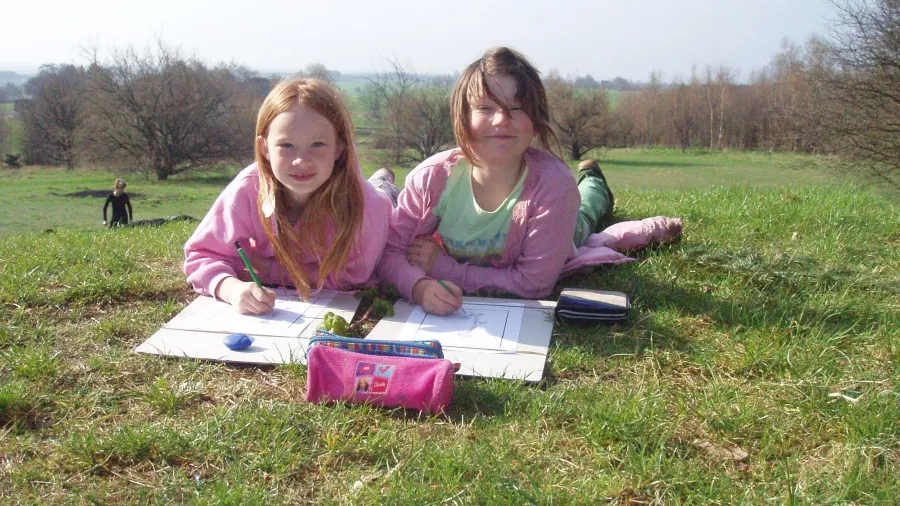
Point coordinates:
[(437, 296), (246, 297)]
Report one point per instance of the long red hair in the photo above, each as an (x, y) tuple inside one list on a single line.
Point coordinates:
[(339, 201)]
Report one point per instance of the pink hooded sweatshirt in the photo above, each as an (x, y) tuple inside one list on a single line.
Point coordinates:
[(539, 246), (210, 254)]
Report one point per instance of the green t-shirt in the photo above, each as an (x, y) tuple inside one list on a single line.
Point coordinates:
[(469, 233)]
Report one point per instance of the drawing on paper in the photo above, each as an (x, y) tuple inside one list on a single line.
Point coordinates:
[(474, 326), (289, 318)]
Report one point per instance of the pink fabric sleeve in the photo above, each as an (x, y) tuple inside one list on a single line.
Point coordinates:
[(410, 219), (548, 243), (632, 235), (209, 254)]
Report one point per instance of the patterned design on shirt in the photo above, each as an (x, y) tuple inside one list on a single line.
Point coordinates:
[(469, 233)]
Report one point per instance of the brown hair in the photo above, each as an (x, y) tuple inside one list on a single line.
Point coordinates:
[(338, 200), (530, 93)]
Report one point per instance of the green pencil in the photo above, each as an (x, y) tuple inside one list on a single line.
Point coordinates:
[(441, 282), (247, 263)]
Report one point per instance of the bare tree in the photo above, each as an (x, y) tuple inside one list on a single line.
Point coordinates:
[(861, 74), (318, 71), (392, 90), (167, 114), (9, 92), (651, 93), (724, 77), (626, 116), (413, 116), (371, 97), (581, 118), (682, 116), (53, 120), (427, 129)]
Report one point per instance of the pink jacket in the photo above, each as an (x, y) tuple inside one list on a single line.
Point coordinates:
[(210, 255), (537, 246)]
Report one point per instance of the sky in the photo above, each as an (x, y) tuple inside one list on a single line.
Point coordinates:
[(603, 38)]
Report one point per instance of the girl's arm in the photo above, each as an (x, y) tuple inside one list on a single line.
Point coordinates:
[(128, 203), (547, 244), (408, 220), (106, 205), (210, 255)]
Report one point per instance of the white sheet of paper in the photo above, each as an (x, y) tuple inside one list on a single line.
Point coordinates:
[(289, 317), (476, 326)]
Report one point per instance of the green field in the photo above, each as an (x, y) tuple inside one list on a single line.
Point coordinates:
[(38, 198), (759, 365), (14, 129), (351, 86)]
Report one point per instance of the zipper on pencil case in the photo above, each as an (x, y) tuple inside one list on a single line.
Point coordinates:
[(415, 349), (589, 304)]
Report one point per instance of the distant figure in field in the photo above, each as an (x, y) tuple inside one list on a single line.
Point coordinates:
[(120, 201)]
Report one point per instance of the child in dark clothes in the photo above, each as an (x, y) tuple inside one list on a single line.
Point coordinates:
[(120, 201)]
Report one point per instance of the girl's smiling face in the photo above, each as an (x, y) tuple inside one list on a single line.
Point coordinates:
[(301, 146), (500, 137)]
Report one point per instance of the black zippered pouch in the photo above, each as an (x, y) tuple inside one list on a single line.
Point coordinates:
[(582, 305)]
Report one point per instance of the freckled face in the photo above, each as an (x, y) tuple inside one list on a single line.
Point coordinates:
[(301, 147)]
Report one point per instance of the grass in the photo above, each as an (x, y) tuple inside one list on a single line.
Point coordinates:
[(759, 365), (670, 169), (38, 198), (10, 145)]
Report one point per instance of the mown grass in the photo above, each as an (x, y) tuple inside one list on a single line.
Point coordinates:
[(759, 365)]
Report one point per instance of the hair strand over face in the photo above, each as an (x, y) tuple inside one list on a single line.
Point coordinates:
[(472, 86)]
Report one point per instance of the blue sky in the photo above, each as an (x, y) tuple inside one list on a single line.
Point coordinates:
[(628, 38)]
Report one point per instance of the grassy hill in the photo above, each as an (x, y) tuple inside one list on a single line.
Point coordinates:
[(38, 198), (759, 364)]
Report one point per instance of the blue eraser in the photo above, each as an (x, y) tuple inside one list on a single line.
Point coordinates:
[(237, 341)]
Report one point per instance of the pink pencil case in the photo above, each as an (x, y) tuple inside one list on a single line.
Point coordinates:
[(381, 373)]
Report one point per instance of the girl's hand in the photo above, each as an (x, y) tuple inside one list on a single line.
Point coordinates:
[(422, 253), (435, 299), (246, 297)]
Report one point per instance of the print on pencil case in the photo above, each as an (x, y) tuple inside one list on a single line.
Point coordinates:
[(373, 378)]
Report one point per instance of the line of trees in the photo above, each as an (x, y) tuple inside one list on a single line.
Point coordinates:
[(835, 94), (165, 114), (155, 112)]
